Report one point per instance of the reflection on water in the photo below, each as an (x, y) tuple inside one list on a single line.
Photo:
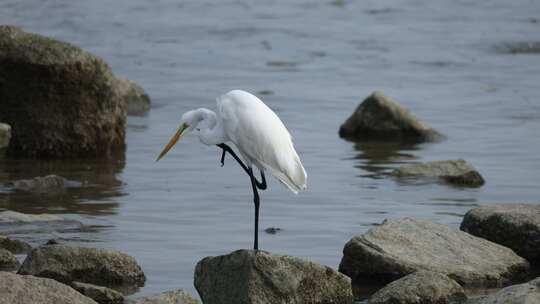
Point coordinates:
[(378, 158)]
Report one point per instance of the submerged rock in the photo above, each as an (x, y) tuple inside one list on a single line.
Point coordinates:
[(100, 294), (400, 247), (177, 296), (457, 172), (8, 261), (257, 277), (421, 287), (380, 118), (60, 100), (40, 184), (13, 217), (138, 102), (66, 264), (5, 136), (516, 226), (17, 289), (14, 246), (527, 293)]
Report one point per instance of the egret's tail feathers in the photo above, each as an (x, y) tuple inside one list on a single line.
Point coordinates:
[(295, 178)]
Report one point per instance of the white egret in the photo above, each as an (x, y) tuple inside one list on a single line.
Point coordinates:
[(258, 134)]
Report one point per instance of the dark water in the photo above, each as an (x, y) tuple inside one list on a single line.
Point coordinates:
[(452, 63)]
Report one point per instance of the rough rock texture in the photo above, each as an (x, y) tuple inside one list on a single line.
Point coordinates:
[(17, 289), (399, 247), (40, 184), (89, 265), (516, 226), (100, 294), (527, 293), (14, 246), (5, 135), (247, 276), (170, 297), (422, 287), (13, 217), (8, 261), (380, 118), (138, 102), (457, 172), (59, 100)]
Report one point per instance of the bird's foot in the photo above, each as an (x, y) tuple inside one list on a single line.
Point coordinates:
[(223, 158)]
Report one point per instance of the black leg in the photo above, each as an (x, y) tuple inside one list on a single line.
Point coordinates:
[(256, 201), (260, 185)]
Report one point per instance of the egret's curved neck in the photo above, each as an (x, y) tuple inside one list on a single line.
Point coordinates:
[(211, 130)]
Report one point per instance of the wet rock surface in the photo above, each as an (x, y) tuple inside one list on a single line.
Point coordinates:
[(456, 172), (170, 297), (100, 294), (422, 287), (14, 246), (17, 289), (66, 264), (380, 118), (400, 247), (5, 135), (516, 226), (247, 276), (8, 261), (527, 293), (136, 99), (40, 184), (59, 100), (13, 217)]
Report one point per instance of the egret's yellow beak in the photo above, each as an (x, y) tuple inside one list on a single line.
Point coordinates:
[(173, 141)]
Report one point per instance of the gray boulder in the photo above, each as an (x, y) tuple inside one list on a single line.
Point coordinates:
[(400, 247), (13, 217), (8, 261), (170, 297), (40, 184), (138, 102), (14, 246), (5, 136), (17, 289), (527, 293), (59, 100), (380, 118), (66, 264), (257, 277), (421, 287), (457, 172), (100, 294), (516, 226)]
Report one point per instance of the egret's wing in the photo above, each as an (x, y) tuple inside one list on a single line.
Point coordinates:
[(261, 137)]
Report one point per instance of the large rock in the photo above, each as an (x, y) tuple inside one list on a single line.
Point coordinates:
[(8, 261), (399, 247), (170, 297), (457, 172), (17, 289), (5, 136), (59, 100), (422, 287), (14, 246), (40, 184), (66, 264), (138, 102), (380, 118), (257, 277), (100, 294), (516, 226), (527, 293)]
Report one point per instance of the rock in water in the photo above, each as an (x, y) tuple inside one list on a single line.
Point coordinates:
[(17, 289), (14, 246), (88, 265), (40, 184), (60, 100), (100, 294), (5, 135), (380, 118), (8, 261), (528, 293), (257, 277), (457, 172), (422, 287), (516, 226), (399, 247), (13, 217), (170, 297), (138, 102)]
